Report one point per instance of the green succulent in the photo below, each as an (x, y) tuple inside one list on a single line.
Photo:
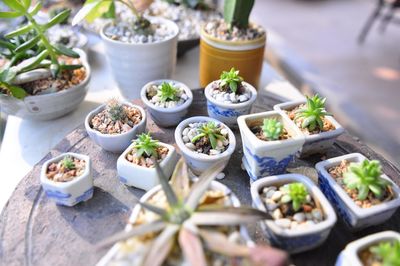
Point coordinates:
[(237, 12), (272, 128), (115, 110), (68, 163), (387, 252), (365, 177), (167, 92), (295, 193), (193, 4), (212, 132), (231, 79), (313, 114), (145, 144)]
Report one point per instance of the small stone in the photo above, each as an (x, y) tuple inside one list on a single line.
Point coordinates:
[(214, 152), (190, 146), (308, 198), (309, 216), (270, 193), (284, 223), (220, 176), (307, 208), (271, 205), (243, 98), (185, 139), (285, 199), (276, 196), (317, 214), (224, 132), (232, 97), (185, 131), (277, 214), (299, 217)]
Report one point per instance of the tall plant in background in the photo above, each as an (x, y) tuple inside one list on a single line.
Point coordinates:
[(237, 12)]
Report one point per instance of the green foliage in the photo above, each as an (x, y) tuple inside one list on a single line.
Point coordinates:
[(68, 163), (272, 128), (387, 252), (313, 113), (194, 4), (231, 79), (365, 177), (296, 193), (145, 144), (237, 12), (55, 11), (168, 92), (212, 132), (115, 110)]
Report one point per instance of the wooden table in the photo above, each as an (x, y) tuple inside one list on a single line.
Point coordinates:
[(35, 231)]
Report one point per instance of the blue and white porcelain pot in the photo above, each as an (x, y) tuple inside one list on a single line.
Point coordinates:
[(264, 158)]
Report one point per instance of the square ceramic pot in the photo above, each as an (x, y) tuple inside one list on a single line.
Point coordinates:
[(143, 177), (72, 192), (262, 158), (294, 240), (315, 143), (350, 255), (354, 216)]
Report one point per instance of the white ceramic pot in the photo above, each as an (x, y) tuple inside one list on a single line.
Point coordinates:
[(263, 158), (142, 177), (199, 162), (350, 255), (72, 192), (296, 240), (115, 142), (229, 112), (134, 65), (167, 117), (52, 105), (315, 143), (354, 216)]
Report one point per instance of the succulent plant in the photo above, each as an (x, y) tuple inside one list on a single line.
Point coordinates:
[(313, 114), (29, 50), (115, 110), (272, 128), (184, 224), (231, 79), (365, 177), (212, 132), (296, 193), (388, 252), (168, 92), (145, 144), (68, 163), (193, 4), (237, 12)]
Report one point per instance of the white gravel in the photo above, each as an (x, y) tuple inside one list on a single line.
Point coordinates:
[(229, 98), (152, 92)]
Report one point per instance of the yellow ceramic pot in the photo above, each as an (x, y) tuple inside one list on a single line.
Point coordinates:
[(220, 55)]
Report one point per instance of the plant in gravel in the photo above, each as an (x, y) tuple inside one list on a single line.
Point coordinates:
[(212, 132), (295, 193), (68, 163), (115, 110), (146, 145), (237, 12), (168, 92), (193, 4), (28, 49), (365, 177), (388, 253), (313, 114), (231, 80), (272, 128)]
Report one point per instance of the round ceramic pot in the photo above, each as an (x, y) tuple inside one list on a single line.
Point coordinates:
[(134, 65), (167, 117), (52, 105), (229, 112), (115, 142), (219, 55), (199, 162), (72, 192)]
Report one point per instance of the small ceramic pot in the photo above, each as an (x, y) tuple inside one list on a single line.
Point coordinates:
[(167, 117), (315, 143), (354, 216), (350, 255), (295, 240), (229, 112), (115, 142), (199, 162), (72, 192), (142, 177), (263, 158)]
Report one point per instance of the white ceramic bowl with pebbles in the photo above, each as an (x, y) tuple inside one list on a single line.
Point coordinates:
[(227, 107), (166, 113), (198, 157), (294, 231)]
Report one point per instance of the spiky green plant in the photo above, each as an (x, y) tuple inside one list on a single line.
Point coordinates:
[(272, 128), (237, 12), (365, 177), (168, 92), (295, 193), (68, 163), (388, 252), (230, 79), (193, 4), (115, 110), (145, 144), (313, 114), (182, 222), (29, 49), (212, 132)]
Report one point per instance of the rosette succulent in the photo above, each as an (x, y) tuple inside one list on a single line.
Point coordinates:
[(146, 145), (313, 114), (168, 92), (388, 253), (231, 80), (68, 163), (272, 128), (295, 193), (212, 132)]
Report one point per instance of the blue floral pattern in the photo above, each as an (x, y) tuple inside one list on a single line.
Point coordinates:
[(85, 196), (58, 195), (225, 112), (123, 180)]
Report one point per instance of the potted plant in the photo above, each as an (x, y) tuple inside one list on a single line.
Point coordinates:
[(167, 101), (178, 217), (270, 141), (204, 141), (113, 125), (39, 80), (135, 166), (361, 193), (232, 42), (318, 126), (380, 249), (303, 217), (139, 49), (67, 179), (229, 97)]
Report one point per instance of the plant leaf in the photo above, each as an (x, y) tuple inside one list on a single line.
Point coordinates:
[(110, 12), (7, 44), (192, 247), (59, 18), (36, 8), (10, 14), (65, 51), (153, 208), (26, 3), (15, 91), (28, 45), (219, 243), (70, 67), (23, 30), (180, 179), (8, 74), (15, 5), (92, 10), (266, 255), (169, 193), (32, 62)]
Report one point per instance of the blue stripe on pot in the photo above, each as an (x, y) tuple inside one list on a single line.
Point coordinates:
[(85, 196), (222, 112), (123, 180), (55, 194)]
